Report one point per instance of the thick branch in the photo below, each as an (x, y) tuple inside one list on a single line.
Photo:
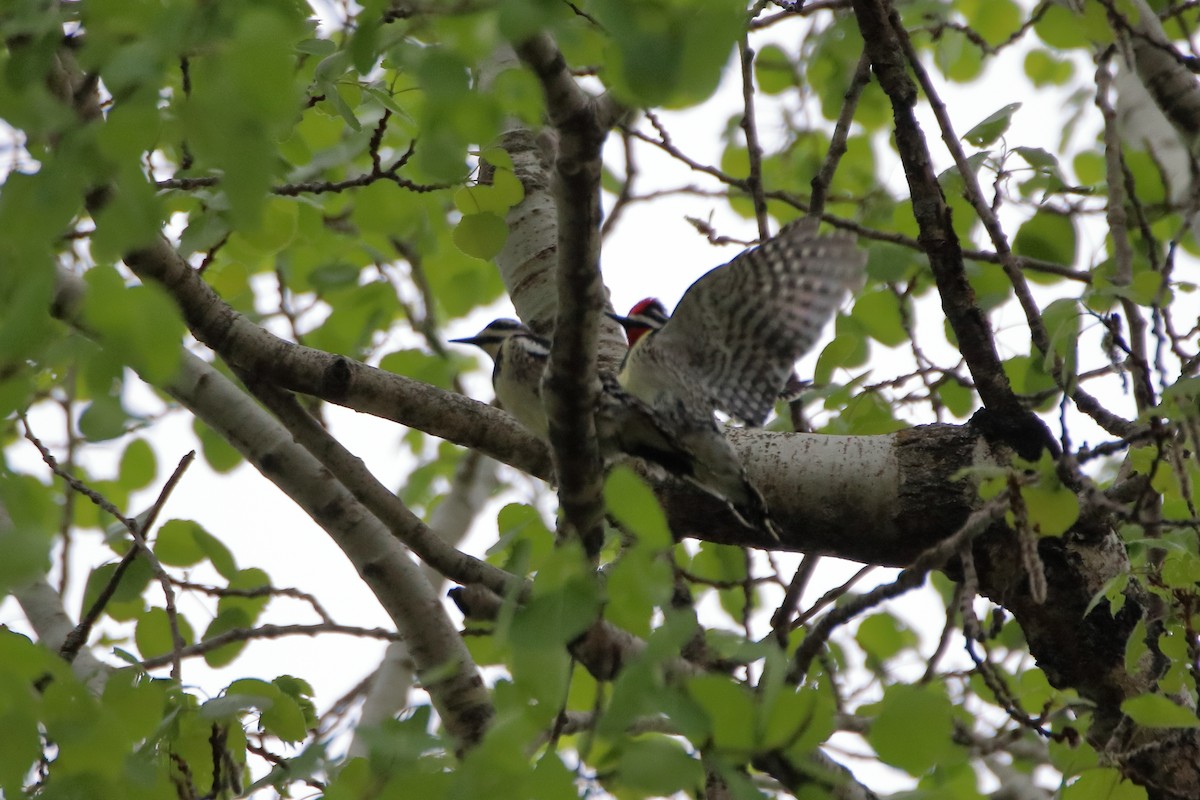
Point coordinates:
[(1162, 69), (386, 506), (334, 378), (937, 236), (570, 384), (450, 675)]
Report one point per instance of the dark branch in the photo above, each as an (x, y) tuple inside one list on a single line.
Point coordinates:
[(570, 384)]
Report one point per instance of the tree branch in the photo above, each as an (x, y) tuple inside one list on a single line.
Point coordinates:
[(449, 674), (1033, 315), (384, 504), (335, 378), (937, 236), (570, 384)]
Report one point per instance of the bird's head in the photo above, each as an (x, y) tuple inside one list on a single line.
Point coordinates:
[(495, 334), (645, 316)]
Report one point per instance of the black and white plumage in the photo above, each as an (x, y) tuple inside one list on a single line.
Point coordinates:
[(520, 358), (696, 452), (738, 330)]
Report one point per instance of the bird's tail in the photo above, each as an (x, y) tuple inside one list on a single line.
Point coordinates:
[(693, 450)]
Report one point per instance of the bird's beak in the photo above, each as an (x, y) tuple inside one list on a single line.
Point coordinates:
[(624, 322), (469, 340)]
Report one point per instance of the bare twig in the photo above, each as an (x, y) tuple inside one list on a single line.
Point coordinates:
[(841, 132), (909, 579), (268, 632), (749, 127)]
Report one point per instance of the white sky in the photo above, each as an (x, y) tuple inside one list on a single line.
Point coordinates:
[(653, 251)]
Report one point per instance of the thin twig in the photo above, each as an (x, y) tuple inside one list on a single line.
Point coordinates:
[(79, 634), (754, 149), (841, 132), (781, 620), (267, 632), (909, 579)]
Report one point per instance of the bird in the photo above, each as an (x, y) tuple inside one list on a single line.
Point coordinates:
[(519, 357), (737, 331), (624, 424), (731, 346)]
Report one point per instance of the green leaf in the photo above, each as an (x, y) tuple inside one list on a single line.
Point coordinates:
[(1047, 236), (913, 730), (1062, 320), (135, 702), (774, 70), (566, 600), (244, 97), (1181, 570), (958, 399), (252, 606), (222, 560), (524, 538), (1145, 286), (228, 620), (1037, 157), (659, 767), (992, 287), (719, 563), (1053, 509), (176, 544), (992, 127), (126, 601), (1028, 375), (730, 711), (640, 581), (481, 235), (504, 192), (883, 636), (276, 228), (798, 720), (1104, 783), (219, 454), (103, 419), (241, 695), (316, 47), (995, 20), (1136, 648), (958, 58), (26, 542), (1072, 758), (285, 719), (1156, 711), (1064, 29), (867, 413), (422, 366), (631, 501), (140, 323), (1113, 590), (138, 464), (130, 219), (21, 664), (879, 315), (153, 632), (844, 352), (668, 54)]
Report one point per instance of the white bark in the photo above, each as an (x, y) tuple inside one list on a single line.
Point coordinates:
[(1162, 71), (385, 565), (43, 608), (388, 693)]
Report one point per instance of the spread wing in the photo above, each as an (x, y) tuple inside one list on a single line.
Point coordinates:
[(739, 329)]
